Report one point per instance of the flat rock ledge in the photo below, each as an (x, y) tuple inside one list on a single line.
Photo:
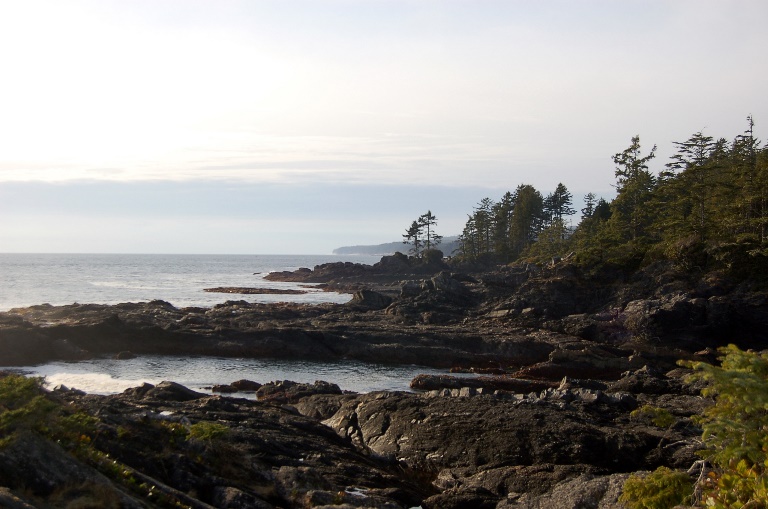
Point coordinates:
[(255, 291)]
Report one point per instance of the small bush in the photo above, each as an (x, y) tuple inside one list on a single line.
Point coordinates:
[(659, 417), (735, 437), (23, 407), (734, 434), (207, 431), (663, 488)]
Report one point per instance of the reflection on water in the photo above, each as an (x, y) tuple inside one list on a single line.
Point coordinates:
[(107, 376)]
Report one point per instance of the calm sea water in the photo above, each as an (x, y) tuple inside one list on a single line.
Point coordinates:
[(28, 279)]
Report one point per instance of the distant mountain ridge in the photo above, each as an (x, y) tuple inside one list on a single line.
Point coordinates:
[(447, 246)]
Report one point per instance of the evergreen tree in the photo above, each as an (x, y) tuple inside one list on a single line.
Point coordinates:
[(752, 181), (589, 241), (421, 234), (602, 210), (527, 218), (630, 216), (502, 220), (558, 204), (477, 237), (551, 242), (709, 204), (469, 241), (691, 178), (485, 224), (589, 206), (427, 222), (413, 236)]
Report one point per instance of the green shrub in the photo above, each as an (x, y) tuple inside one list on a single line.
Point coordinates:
[(663, 488), (207, 431), (24, 407), (735, 438), (659, 417), (735, 429)]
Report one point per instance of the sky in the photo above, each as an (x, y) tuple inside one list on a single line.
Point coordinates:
[(299, 126)]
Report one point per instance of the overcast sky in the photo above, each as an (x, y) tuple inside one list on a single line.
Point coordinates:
[(248, 126)]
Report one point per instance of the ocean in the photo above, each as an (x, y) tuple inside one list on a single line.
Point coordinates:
[(59, 279)]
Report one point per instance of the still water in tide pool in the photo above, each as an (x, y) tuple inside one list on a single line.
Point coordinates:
[(58, 279), (109, 376)]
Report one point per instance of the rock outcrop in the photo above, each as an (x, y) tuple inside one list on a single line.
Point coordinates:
[(309, 445), (151, 449), (548, 323), (566, 357)]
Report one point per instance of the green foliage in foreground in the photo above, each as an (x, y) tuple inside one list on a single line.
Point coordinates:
[(661, 489), (736, 429), (735, 438), (24, 408), (658, 416), (207, 431)]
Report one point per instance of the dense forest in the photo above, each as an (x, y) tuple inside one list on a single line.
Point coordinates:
[(707, 209)]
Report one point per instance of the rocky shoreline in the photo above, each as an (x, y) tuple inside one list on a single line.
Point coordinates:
[(565, 358), (255, 291)]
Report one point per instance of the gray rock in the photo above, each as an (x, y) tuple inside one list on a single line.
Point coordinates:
[(598, 492), (369, 299)]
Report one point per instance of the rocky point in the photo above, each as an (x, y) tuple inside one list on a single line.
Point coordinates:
[(566, 361)]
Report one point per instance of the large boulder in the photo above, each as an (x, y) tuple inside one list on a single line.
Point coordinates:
[(369, 300), (286, 391), (486, 432), (599, 492)]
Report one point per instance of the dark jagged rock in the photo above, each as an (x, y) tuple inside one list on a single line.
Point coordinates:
[(286, 391), (553, 321), (369, 299), (587, 490), (255, 291), (171, 391), (237, 386), (474, 496), (124, 355), (246, 385), (577, 352), (10, 501), (519, 385), (563, 448), (489, 449), (223, 389), (270, 457)]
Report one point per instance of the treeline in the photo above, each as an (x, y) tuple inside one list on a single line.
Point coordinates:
[(708, 208)]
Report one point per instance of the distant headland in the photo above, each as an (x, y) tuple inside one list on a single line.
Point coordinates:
[(447, 246)]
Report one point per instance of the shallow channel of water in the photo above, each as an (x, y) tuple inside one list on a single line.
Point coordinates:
[(109, 376)]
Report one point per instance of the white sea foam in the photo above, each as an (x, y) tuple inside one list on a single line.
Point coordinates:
[(105, 376), (94, 383)]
